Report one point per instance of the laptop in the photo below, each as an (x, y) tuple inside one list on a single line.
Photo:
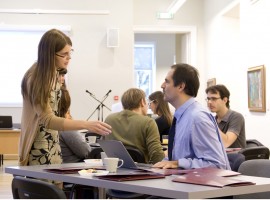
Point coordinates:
[(115, 148), (6, 122)]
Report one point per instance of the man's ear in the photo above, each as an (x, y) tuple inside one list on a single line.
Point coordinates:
[(181, 86), (143, 103)]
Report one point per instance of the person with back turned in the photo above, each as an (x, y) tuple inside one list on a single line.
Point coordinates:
[(134, 128)]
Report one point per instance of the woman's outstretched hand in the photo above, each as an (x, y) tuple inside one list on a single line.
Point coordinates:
[(99, 127)]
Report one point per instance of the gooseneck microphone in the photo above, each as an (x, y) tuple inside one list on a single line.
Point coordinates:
[(108, 93), (89, 93), (100, 106)]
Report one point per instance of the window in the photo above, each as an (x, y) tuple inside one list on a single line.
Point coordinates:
[(19, 48), (144, 67), (18, 52)]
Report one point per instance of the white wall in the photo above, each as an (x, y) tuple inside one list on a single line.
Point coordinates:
[(93, 66), (232, 46), (255, 41), (190, 14)]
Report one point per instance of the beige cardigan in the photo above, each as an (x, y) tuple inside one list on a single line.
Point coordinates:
[(32, 116)]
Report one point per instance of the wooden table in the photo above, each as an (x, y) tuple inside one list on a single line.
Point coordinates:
[(9, 142)]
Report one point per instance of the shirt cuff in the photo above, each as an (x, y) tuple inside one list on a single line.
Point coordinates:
[(184, 163)]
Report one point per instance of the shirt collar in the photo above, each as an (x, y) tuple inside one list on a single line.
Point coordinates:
[(226, 116), (180, 111)]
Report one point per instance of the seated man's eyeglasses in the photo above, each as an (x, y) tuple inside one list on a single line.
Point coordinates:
[(213, 99)]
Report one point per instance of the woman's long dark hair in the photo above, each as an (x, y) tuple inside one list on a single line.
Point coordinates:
[(162, 106)]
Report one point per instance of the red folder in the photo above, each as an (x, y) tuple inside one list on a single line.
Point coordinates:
[(213, 171), (211, 180), (207, 170), (71, 170), (131, 177)]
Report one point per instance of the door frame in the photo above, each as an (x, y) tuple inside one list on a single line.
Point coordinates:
[(190, 31)]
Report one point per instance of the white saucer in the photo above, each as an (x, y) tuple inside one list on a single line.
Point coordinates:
[(97, 173)]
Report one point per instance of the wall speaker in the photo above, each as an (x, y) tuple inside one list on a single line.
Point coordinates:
[(112, 37)]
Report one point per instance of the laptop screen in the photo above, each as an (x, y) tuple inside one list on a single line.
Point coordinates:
[(6, 122), (115, 148)]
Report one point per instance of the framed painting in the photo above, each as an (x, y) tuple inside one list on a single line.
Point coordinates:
[(256, 88), (211, 82)]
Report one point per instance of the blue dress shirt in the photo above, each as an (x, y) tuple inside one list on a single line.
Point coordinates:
[(197, 141)]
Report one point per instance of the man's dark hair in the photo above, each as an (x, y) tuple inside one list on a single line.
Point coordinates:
[(62, 71), (64, 103), (222, 90), (184, 73)]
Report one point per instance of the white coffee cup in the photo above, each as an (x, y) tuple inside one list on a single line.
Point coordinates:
[(91, 139), (111, 164)]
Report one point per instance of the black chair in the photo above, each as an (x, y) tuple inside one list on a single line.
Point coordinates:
[(81, 191), (136, 154), (77, 191), (260, 168), (139, 157), (260, 152), (235, 160), (253, 143), (91, 134), (27, 188), (95, 153)]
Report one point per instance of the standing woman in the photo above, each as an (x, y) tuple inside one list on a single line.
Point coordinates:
[(39, 141), (161, 108)]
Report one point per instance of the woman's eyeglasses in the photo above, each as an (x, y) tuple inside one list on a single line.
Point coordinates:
[(65, 55), (149, 103)]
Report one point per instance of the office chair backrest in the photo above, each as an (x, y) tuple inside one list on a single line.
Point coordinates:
[(26, 188), (260, 152), (92, 134), (253, 143), (257, 167), (136, 154), (260, 168)]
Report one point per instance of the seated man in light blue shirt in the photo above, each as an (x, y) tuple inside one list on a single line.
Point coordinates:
[(197, 141)]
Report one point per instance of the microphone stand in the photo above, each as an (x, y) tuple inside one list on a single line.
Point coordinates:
[(99, 107)]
